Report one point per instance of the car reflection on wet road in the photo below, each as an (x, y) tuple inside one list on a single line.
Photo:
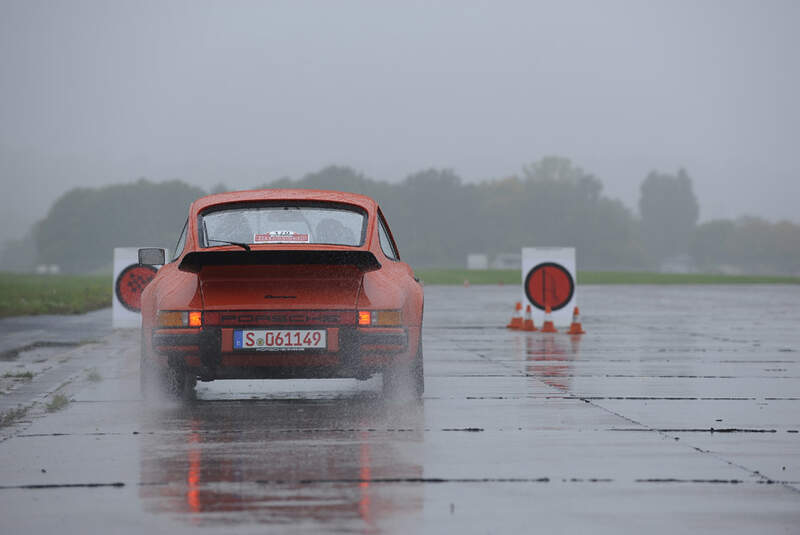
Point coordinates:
[(281, 462), (664, 417)]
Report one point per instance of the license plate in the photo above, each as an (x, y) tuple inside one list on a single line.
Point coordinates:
[(280, 340)]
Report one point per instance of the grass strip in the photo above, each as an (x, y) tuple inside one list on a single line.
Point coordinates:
[(513, 276), (10, 416), (57, 402), (25, 295), (25, 376)]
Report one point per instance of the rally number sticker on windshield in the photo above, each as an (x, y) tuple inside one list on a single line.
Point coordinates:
[(279, 340), (281, 236)]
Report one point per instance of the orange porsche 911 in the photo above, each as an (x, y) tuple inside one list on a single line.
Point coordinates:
[(281, 284)]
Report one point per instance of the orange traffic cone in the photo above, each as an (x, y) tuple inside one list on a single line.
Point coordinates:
[(516, 319), (547, 326), (575, 327), (528, 325)]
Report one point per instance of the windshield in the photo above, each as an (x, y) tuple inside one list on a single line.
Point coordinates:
[(271, 224)]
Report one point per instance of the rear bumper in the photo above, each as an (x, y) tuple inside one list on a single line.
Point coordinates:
[(350, 352)]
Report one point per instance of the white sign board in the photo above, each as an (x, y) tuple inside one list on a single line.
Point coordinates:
[(477, 261), (129, 280), (548, 278)]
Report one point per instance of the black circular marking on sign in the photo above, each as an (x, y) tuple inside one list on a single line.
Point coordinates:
[(130, 283), (539, 303)]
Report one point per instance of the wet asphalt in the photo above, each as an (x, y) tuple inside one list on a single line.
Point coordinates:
[(677, 412)]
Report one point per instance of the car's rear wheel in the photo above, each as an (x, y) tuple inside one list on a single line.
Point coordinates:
[(149, 380), (405, 379), (155, 381), (180, 383), (418, 373)]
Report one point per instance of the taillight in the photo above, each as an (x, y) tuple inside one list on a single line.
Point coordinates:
[(195, 319), (380, 318), (180, 318)]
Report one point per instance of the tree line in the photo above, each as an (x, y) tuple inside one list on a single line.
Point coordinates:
[(438, 219)]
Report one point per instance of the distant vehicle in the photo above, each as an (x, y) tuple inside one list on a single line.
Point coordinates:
[(281, 284)]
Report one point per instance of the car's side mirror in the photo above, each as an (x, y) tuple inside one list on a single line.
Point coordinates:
[(152, 256)]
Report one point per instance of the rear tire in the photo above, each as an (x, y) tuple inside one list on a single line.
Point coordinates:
[(169, 382), (418, 373), (149, 379), (179, 383), (406, 378)]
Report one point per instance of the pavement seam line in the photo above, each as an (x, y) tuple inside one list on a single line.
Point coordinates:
[(645, 427)]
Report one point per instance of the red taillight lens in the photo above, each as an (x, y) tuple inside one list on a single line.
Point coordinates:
[(180, 318), (364, 317)]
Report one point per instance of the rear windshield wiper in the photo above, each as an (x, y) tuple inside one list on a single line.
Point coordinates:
[(238, 244), (242, 245)]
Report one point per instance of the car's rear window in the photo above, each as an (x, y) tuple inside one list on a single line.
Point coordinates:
[(317, 223)]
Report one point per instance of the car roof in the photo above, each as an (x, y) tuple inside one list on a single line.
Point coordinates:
[(284, 195)]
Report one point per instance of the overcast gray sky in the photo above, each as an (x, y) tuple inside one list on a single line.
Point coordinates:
[(242, 92)]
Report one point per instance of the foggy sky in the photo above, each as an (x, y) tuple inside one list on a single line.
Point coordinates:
[(244, 92)]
